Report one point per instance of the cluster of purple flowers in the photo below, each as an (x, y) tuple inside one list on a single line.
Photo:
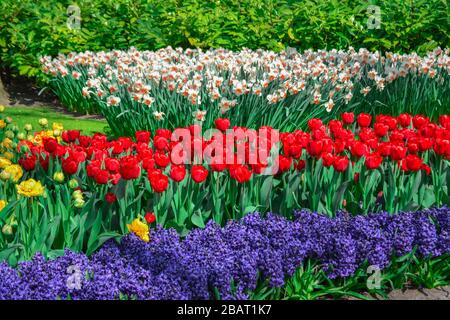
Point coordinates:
[(211, 259)]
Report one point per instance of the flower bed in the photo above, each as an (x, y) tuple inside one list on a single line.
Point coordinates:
[(138, 90), (233, 261), (79, 191)]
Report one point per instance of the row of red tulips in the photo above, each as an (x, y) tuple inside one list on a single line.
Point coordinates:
[(405, 144), (402, 139)]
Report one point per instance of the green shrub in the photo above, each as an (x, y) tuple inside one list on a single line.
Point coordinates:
[(29, 29)]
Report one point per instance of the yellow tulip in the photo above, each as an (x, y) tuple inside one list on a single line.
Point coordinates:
[(140, 229), (58, 177), (4, 162), (43, 122), (30, 188), (3, 204), (7, 143), (57, 126), (15, 172)]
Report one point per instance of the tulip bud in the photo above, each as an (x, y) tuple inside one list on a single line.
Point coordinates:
[(5, 176), (15, 129), (43, 122), (13, 221), (28, 127), (58, 177), (7, 230), (21, 136), (8, 155), (2, 108), (56, 133), (73, 183), (30, 137), (78, 203), (9, 134), (8, 120), (77, 194)]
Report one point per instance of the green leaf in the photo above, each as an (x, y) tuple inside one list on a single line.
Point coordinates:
[(197, 219)]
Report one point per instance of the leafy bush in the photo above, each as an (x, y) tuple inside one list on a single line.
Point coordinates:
[(29, 29)]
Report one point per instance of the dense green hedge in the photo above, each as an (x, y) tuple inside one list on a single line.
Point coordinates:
[(30, 28)]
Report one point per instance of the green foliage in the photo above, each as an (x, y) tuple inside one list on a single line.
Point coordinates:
[(29, 29)]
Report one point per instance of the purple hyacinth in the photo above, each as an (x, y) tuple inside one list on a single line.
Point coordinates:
[(229, 260)]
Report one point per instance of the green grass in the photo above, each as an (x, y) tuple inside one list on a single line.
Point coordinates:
[(24, 115)]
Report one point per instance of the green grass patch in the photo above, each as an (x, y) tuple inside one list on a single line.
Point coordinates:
[(31, 115)]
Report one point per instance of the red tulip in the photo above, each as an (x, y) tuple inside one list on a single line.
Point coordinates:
[(70, 135), (142, 136), (295, 151), (28, 163), (112, 165), (222, 124), (442, 147), (199, 173), (384, 149), (84, 141), (161, 159), (404, 119), (101, 177), (160, 143), (444, 120), (70, 166), (177, 172), (426, 168), (129, 168), (373, 161), (340, 163), (218, 165), (398, 152), (359, 149), (284, 163), (166, 133), (50, 144), (301, 164), (110, 197), (380, 129), (348, 117), (315, 148), (240, 173), (92, 168), (364, 120), (413, 162), (419, 121), (150, 217), (159, 182), (327, 159), (315, 124)]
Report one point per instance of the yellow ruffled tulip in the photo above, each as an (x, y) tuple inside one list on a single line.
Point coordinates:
[(4, 162), (30, 188), (140, 229), (15, 171)]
